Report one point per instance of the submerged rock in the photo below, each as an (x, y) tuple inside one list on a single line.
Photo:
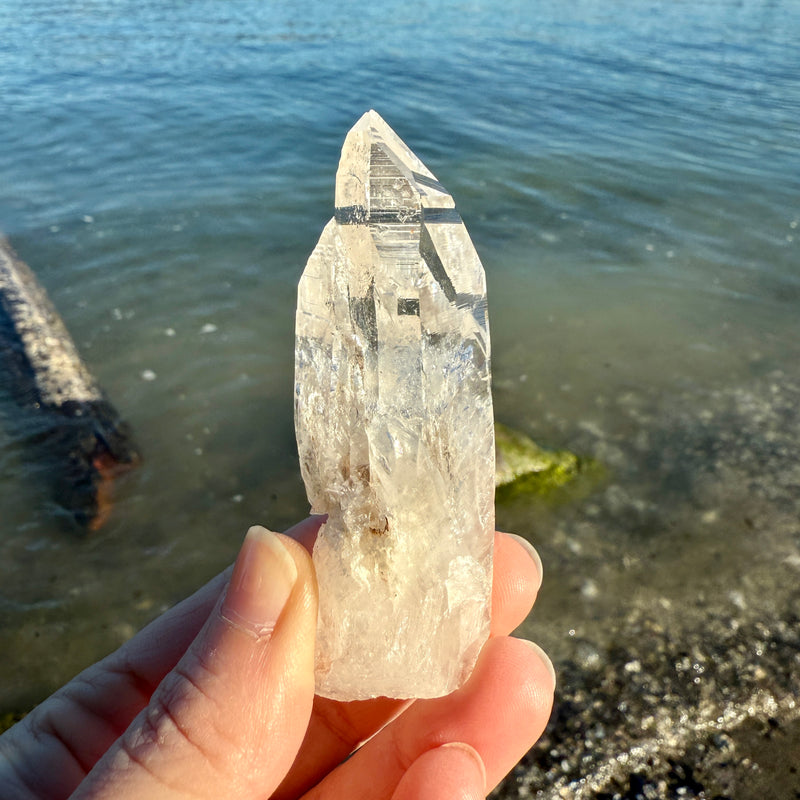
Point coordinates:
[(81, 437), (523, 468)]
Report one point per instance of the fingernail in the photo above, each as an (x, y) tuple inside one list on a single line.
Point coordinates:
[(262, 580), (531, 551), (471, 752), (544, 657)]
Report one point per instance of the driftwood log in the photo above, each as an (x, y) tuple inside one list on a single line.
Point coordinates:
[(77, 430)]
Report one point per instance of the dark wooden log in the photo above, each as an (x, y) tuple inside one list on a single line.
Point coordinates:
[(71, 421)]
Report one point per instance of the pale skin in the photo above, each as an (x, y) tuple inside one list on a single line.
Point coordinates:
[(215, 699)]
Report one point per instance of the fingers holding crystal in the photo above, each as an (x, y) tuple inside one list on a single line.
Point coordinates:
[(500, 712), (336, 729)]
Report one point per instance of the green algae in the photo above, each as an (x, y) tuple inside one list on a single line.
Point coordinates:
[(525, 469), (8, 719)]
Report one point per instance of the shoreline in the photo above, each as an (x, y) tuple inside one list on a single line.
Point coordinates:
[(671, 609)]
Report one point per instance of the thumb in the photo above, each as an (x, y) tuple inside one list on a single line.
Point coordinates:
[(230, 717)]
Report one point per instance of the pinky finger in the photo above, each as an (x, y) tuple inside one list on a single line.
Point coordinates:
[(453, 771)]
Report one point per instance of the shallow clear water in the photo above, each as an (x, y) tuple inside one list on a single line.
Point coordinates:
[(629, 172)]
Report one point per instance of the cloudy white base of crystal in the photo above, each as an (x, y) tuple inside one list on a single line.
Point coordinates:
[(393, 412)]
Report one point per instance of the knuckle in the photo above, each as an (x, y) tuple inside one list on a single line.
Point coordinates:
[(181, 721)]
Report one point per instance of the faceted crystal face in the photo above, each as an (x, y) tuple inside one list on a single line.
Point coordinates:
[(393, 413)]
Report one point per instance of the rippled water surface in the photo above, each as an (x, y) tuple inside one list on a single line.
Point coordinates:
[(629, 172)]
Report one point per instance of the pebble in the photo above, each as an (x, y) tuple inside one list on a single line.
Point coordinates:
[(590, 590)]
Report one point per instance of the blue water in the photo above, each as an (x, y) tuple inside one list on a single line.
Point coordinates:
[(629, 172)]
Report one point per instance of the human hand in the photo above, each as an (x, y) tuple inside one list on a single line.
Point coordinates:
[(215, 699)]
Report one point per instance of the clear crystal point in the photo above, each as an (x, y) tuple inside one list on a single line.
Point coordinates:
[(393, 413)]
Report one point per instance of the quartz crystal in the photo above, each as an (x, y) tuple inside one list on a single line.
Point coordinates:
[(393, 412)]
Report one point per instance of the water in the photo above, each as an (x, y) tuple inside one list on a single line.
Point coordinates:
[(630, 175)]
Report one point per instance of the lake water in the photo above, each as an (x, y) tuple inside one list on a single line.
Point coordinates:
[(629, 172)]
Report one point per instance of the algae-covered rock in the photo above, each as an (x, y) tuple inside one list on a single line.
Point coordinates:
[(8, 719), (525, 468)]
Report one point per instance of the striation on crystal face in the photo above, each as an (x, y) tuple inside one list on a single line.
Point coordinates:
[(393, 413)]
